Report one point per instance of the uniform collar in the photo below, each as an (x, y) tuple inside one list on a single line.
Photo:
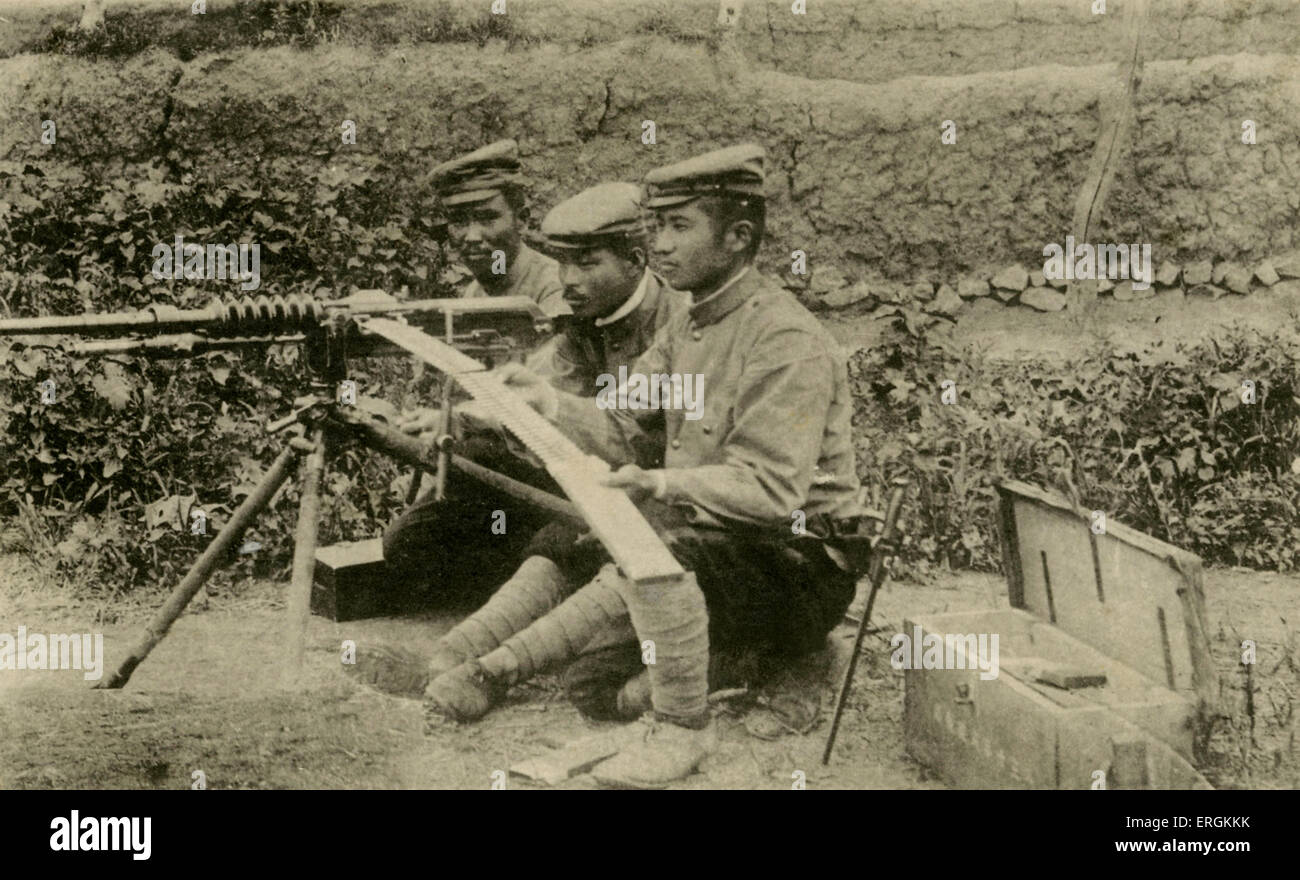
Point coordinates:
[(726, 298), (629, 305)]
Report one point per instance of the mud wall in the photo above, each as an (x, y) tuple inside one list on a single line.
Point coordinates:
[(858, 177), (876, 41)]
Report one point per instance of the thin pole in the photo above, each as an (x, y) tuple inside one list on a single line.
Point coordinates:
[(202, 569), (876, 577), (444, 428), (304, 552)]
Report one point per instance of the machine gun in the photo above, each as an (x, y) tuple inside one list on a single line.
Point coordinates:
[(483, 327), (332, 331)]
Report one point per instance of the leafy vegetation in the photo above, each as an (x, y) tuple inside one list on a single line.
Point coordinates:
[(102, 479), (1159, 438), (300, 24)]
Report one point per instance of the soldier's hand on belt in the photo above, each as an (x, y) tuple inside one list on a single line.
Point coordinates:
[(535, 391), (639, 483)]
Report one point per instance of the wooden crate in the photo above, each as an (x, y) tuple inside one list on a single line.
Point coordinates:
[(350, 582), (1121, 603)]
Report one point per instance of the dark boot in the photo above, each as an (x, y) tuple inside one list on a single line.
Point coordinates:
[(465, 693), (612, 684), (634, 698), (593, 681)]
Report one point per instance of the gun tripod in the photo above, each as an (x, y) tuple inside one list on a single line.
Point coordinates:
[(331, 331), (327, 424)]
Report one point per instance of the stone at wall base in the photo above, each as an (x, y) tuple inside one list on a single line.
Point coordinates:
[(1043, 299), (1014, 278), (1237, 280), (1288, 267), (1198, 273), (946, 302)]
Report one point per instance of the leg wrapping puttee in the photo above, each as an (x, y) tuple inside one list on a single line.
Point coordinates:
[(536, 588), (561, 634), (673, 616)]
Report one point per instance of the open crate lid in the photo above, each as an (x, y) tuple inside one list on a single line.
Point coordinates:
[(1125, 593)]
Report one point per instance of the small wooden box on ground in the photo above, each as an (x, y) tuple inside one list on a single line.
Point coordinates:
[(350, 582), (1119, 605)]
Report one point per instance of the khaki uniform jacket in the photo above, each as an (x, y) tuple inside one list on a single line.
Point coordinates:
[(533, 275), (574, 360), (774, 436)]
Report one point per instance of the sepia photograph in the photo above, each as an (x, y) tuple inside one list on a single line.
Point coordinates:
[(650, 394)]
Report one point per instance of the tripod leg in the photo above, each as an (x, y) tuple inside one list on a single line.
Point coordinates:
[(378, 437), (417, 481), (304, 551), (444, 429), (202, 569)]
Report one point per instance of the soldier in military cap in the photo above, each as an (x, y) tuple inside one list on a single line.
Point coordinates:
[(600, 239), (601, 242), (752, 498), (445, 544), (484, 196)]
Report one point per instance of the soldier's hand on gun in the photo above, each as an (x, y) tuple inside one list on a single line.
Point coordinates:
[(423, 421), (639, 483), (535, 391), (472, 417)]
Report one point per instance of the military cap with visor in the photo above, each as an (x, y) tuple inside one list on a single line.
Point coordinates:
[(477, 176), (594, 217), (732, 172)]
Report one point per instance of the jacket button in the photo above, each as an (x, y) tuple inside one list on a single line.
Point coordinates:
[(614, 347), (677, 444), (706, 429), (697, 335)]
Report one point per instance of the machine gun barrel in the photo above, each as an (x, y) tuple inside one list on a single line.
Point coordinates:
[(177, 345), (277, 315)]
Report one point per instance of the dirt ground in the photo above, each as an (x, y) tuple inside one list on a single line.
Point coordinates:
[(211, 696)]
